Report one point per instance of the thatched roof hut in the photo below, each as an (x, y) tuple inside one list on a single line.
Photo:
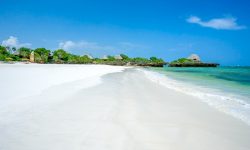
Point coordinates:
[(32, 57), (16, 53), (105, 57), (89, 56), (118, 57), (194, 57)]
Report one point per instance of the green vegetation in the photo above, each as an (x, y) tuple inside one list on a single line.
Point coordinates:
[(42, 55), (7, 54), (3, 53), (60, 56), (24, 52), (183, 60), (124, 57)]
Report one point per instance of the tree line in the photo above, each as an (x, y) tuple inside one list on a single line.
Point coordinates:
[(60, 56)]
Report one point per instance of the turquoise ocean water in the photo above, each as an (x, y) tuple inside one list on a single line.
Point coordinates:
[(225, 88)]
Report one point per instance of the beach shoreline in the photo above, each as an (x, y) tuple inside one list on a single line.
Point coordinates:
[(123, 110), (223, 98)]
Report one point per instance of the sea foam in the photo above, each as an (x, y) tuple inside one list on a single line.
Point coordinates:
[(228, 103)]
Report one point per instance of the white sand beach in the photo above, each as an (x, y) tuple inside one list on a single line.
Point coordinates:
[(98, 107)]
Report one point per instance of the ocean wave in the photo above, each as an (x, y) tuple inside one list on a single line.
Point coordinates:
[(231, 104)]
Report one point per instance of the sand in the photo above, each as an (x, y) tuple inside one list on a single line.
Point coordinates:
[(124, 111)]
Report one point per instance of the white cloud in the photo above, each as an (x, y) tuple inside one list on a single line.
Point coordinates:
[(227, 23), (67, 45), (14, 42), (82, 45)]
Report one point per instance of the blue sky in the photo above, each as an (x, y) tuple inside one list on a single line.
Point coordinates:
[(218, 31)]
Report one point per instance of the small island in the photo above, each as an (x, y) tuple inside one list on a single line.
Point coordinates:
[(192, 61)]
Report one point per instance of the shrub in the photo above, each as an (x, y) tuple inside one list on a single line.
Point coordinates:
[(43, 53), (24, 52), (9, 59)]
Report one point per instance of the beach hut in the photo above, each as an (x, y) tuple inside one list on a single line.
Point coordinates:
[(194, 57), (105, 57), (118, 57), (89, 56), (16, 53), (32, 57)]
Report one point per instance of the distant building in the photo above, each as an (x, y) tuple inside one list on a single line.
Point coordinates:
[(105, 57), (194, 57), (32, 57), (16, 53), (118, 57), (89, 56)]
